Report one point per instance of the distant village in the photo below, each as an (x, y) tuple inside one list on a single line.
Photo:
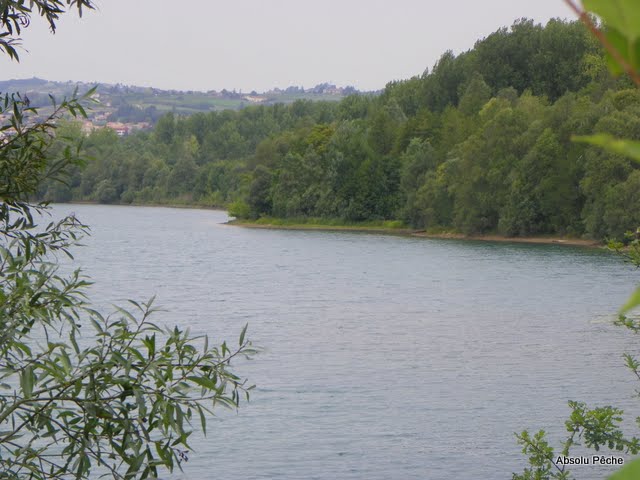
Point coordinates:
[(121, 129), (99, 120), (94, 121), (127, 109)]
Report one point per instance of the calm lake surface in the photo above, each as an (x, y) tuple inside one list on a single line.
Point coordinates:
[(383, 357)]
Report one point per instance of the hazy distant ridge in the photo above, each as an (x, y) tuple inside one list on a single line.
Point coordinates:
[(128, 103)]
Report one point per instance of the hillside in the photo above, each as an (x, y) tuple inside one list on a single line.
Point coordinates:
[(132, 104)]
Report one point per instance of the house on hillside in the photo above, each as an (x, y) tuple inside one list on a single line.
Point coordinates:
[(121, 129)]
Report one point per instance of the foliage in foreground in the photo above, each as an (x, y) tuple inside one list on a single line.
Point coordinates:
[(82, 393), (600, 427)]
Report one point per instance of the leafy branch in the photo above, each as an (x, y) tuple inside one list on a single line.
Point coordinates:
[(606, 43), (15, 15)]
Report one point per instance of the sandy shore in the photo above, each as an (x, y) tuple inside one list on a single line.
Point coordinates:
[(576, 242)]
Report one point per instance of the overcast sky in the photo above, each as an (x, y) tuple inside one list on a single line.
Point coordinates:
[(260, 44)]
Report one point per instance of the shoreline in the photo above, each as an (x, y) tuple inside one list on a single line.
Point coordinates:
[(406, 232), (325, 228), (572, 242), (401, 231)]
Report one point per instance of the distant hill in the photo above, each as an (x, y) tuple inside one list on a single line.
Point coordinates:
[(124, 103)]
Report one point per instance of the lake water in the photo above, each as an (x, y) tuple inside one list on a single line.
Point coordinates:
[(384, 357)]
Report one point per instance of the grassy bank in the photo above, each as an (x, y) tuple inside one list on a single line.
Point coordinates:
[(396, 227), (379, 226)]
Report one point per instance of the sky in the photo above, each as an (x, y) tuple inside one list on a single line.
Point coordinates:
[(260, 44)]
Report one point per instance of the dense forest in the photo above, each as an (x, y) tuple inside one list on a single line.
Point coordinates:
[(480, 143)]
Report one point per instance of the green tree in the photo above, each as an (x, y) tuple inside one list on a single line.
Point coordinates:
[(165, 128), (543, 195), (106, 192), (260, 192), (475, 95), (418, 160)]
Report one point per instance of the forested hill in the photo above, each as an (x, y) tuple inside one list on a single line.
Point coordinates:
[(480, 143)]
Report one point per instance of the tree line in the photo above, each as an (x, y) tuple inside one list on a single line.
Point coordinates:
[(480, 143)]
